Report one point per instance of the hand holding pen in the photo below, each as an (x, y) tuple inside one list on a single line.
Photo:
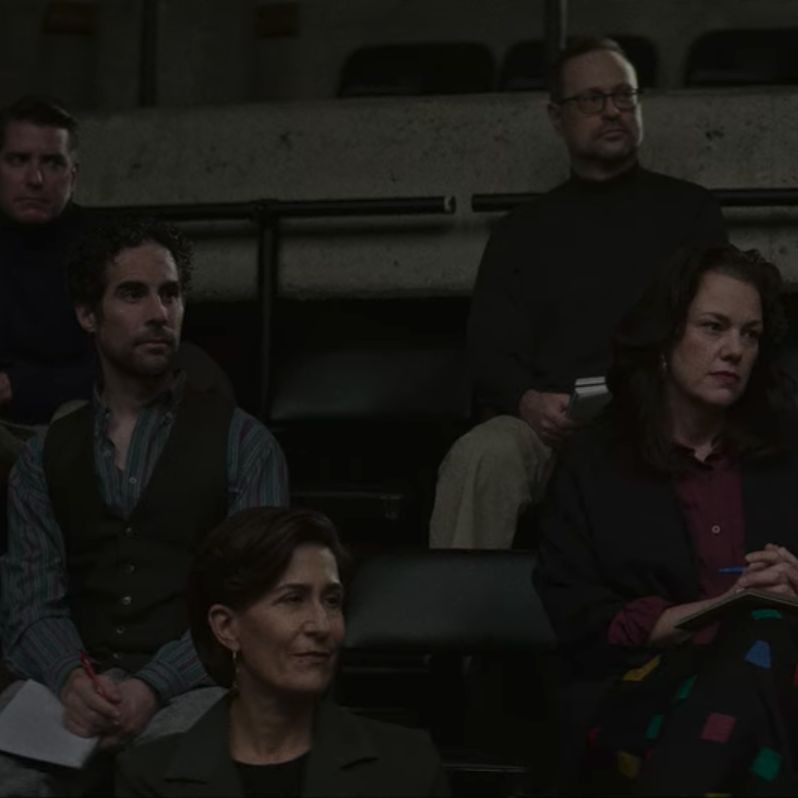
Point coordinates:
[(774, 569), (90, 702), (87, 666)]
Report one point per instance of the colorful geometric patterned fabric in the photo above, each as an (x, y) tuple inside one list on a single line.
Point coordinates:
[(715, 720)]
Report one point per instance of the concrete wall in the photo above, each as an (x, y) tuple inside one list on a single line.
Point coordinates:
[(375, 148)]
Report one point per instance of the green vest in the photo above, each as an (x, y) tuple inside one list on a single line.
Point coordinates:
[(127, 577)]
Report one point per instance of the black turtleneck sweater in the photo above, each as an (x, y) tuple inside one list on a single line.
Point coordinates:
[(557, 275), (47, 356)]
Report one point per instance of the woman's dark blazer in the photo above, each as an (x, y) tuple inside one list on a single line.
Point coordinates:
[(612, 531), (351, 756)]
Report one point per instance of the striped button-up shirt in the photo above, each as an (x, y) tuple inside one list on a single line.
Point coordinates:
[(40, 641)]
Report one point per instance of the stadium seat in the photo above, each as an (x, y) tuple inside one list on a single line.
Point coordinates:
[(523, 67), (229, 333), (417, 69), (202, 370), (789, 353), (643, 54), (456, 642), (366, 398), (743, 58)]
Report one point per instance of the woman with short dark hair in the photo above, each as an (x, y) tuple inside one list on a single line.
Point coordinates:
[(266, 600), (682, 495)]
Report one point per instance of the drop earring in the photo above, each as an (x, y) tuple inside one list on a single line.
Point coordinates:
[(234, 684)]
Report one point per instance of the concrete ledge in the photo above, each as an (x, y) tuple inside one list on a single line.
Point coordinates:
[(385, 148)]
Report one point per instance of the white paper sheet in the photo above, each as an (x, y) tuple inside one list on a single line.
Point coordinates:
[(32, 725)]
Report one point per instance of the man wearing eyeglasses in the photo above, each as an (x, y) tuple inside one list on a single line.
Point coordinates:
[(555, 278)]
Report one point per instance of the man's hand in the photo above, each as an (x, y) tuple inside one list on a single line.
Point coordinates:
[(137, 707), (547, 414), (6, 394), (774, 570), (86, 712)]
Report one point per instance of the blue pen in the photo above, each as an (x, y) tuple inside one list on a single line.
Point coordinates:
[(737, 569)]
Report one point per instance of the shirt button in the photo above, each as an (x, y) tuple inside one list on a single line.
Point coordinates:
[(129, 532), (715, 529), (129, 568), (132, 480), (120, 630), (127, 600), (116, 655)]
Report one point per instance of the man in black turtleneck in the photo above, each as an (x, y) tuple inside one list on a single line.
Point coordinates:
[(555, 278), (45, 357)]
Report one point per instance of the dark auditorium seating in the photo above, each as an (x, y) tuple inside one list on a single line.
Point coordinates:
[(418, 69), (643, 54), (523, 66), (202, 370), (744, 58), (367, 396), (789, 359), (456, 642), (229, 332)]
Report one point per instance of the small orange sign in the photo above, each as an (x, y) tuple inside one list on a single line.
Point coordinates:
[(76, 18), (277, 19)]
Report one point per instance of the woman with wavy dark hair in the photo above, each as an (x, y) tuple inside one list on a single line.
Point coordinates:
[(755, 419), (266, 597), (682, 496)]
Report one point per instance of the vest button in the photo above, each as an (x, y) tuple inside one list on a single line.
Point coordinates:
[(127, 600), (129, 532), (116, 655), (120, 630), (129, 568)]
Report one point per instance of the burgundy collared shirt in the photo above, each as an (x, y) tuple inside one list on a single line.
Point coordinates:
[(710, 496)]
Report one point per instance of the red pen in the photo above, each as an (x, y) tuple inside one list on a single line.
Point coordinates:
[(86, 663)]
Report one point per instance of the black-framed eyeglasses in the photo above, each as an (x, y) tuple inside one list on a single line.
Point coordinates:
[(594, 101)]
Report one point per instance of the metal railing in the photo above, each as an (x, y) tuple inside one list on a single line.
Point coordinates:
[(266, 215), (726, 197)]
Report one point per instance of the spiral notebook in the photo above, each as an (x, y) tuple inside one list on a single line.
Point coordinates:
[(32, 725)]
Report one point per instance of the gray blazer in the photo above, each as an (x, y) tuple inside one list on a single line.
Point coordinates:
[(351, 756)]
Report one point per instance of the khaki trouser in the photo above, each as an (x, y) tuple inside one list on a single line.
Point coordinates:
[(484, 483)]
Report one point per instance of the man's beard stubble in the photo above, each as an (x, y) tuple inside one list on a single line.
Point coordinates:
[(132, 361)]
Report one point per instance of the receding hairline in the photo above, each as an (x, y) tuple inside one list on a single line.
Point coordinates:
[(578, 47), (619, 57)]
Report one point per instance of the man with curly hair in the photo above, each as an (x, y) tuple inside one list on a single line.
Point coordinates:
[(107, 506)]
